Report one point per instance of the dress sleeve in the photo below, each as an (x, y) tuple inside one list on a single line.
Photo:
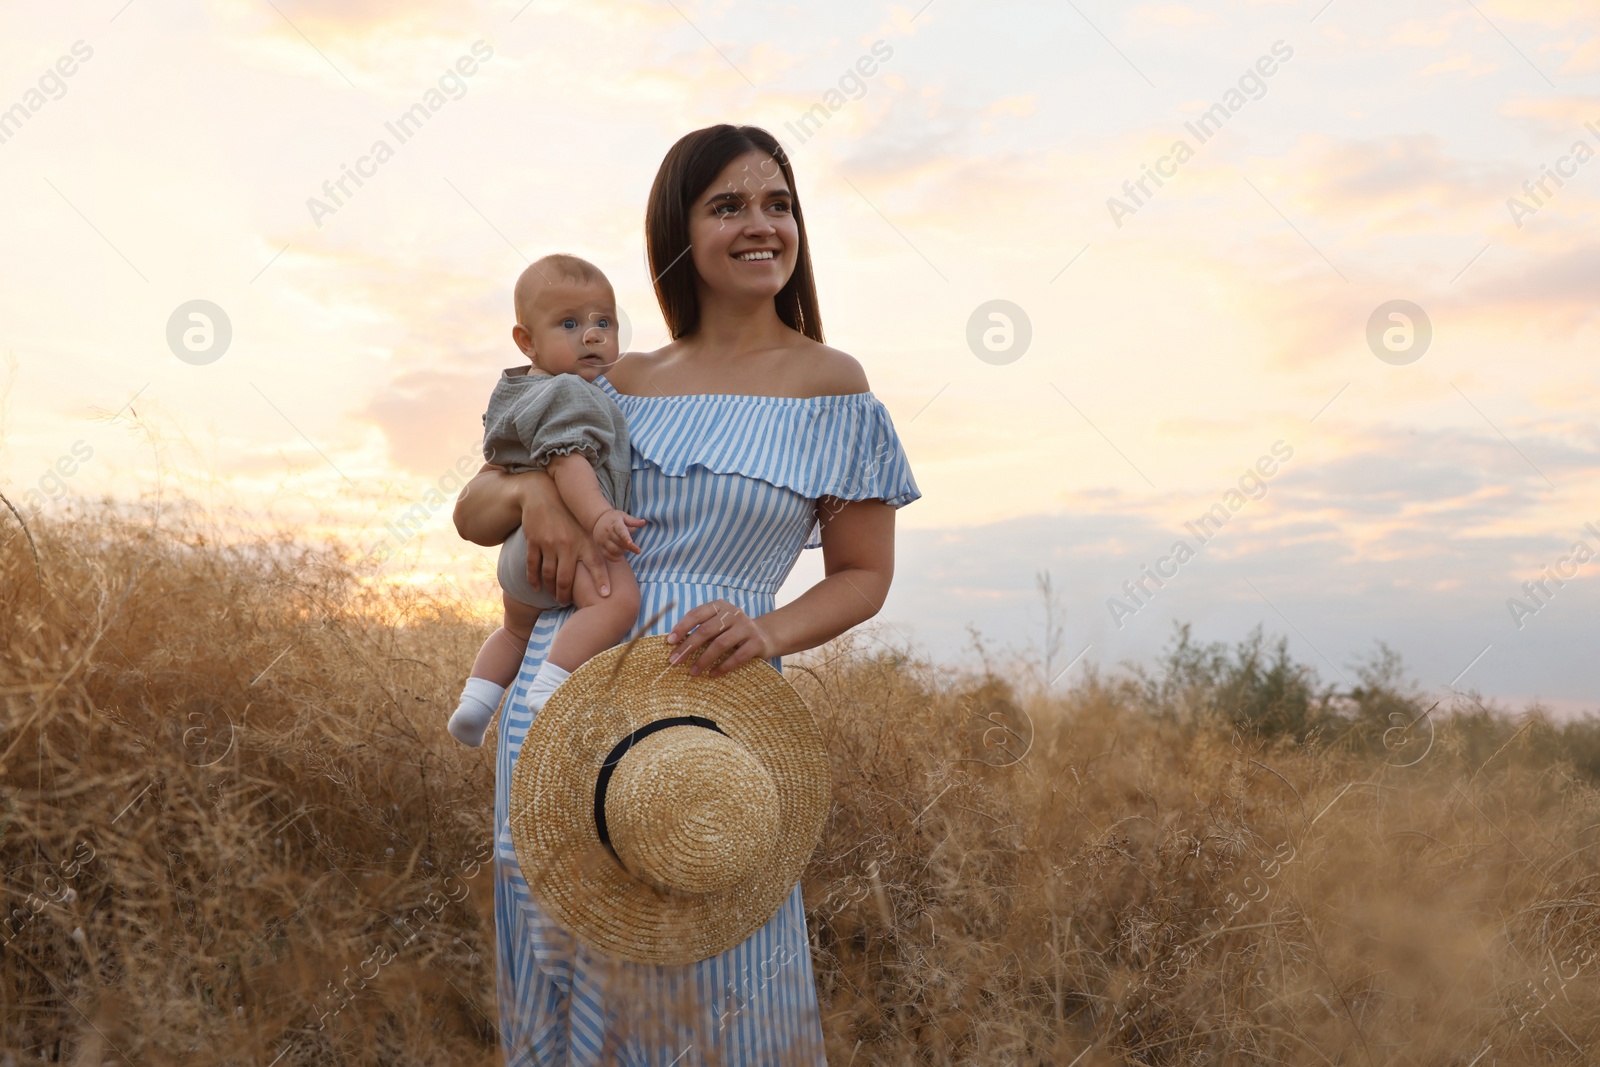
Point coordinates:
[(568, 415), (864, 460)]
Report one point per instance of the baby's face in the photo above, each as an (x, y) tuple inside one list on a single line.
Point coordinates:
[(573, 330)]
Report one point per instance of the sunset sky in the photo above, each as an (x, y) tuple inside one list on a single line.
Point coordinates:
[(1181, 333)]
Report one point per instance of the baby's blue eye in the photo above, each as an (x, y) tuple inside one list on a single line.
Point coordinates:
[(569, 323), (604, 323)]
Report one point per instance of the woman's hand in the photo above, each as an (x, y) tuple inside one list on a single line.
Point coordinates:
[(495, 503), (717, 628), (557, 545)]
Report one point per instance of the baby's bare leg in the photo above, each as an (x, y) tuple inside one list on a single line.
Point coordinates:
[(497, 664), (501, 656), (600, 621)]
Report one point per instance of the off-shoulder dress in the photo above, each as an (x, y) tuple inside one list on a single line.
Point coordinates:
[(729, 487)]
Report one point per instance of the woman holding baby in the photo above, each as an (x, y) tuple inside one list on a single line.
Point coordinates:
[(751, 439)]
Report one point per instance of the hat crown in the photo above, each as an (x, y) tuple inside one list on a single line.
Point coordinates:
[(690, 810)]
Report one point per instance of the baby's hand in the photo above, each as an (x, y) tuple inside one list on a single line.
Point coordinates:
[(611, 534)]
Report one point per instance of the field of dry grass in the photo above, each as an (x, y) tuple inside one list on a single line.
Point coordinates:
[(228, 798)]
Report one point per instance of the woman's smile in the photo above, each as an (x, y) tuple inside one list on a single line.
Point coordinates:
[(745, 215)]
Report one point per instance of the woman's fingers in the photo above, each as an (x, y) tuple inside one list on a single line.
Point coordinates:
[(689, 621), (748, 641), (535, 566), (693, 631), (557, 546), (692, 645), (565, 552), (719, 645), (575, 555), (557, 579), (682, 643), (748, 650), (599, 571), (719, 628)]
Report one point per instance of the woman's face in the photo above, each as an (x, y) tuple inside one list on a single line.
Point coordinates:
[(742, 232)]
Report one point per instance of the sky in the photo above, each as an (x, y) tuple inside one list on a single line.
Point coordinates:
[(1327, 272)]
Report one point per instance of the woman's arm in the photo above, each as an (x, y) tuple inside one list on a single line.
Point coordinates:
[(495, 503), (858, 559), (490, 506)]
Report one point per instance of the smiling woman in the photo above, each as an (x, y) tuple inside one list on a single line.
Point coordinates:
[(750, 441), (757, 177)]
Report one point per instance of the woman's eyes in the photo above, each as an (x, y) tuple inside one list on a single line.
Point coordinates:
[(724, 209)]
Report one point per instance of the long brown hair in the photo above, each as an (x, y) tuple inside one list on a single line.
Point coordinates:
[(689, 168)]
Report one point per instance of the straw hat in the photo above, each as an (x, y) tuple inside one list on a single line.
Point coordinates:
[(663, 818)]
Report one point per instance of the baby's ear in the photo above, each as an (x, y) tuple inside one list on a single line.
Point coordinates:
[(522, 339)]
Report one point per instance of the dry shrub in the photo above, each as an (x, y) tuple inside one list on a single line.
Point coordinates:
[(235, 829), (228, 800), (1139, 890)]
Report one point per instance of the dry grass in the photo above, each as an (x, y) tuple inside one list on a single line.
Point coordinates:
[(228, 793)]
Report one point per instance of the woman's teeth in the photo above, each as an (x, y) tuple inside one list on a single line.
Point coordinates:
[(751, 257)]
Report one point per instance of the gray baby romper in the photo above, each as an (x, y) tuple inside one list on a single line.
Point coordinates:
[(534, 417)]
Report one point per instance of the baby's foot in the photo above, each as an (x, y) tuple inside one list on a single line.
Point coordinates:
[(479, 701)]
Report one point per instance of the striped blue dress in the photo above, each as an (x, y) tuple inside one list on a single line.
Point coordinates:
[(729, 486)]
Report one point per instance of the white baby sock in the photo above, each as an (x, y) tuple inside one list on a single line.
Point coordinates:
[(479, 700), (544, 683)]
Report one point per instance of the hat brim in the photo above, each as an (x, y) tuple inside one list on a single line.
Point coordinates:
[(579, 881)]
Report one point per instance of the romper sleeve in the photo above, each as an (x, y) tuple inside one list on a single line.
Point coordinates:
[(567, 415), (858, 456)]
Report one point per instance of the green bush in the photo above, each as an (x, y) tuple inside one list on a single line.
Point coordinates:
[(1257, 688)]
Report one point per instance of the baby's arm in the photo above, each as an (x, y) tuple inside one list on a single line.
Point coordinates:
[(580, 489)]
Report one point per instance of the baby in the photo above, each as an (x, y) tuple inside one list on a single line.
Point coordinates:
[(549, 416)]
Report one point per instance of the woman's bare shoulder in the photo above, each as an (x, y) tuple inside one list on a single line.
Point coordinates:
[(631, 372), (829, 372)]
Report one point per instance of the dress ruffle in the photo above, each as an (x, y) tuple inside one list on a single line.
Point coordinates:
[(823, 446)]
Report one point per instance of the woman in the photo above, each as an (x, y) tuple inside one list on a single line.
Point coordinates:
[(751, 438)]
